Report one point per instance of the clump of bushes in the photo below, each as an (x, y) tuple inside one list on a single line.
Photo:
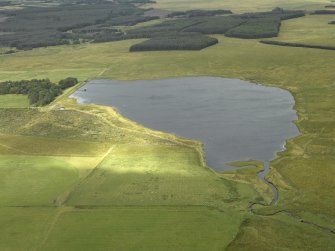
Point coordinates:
[(177, 42), (40, 91), (67, 83)]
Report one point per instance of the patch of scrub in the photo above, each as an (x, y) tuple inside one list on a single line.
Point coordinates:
[(235, 119)]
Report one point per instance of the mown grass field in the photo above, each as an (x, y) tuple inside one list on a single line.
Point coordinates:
[(34, 181), (115, 185), (156, 175), (311, 29), (183, 228), (13, 101)]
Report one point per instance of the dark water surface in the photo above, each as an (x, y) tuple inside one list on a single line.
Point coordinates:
[(235, 119)]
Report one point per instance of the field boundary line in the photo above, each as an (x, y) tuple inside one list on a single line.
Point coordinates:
[(12, 148), (53, 224), (60, 202)]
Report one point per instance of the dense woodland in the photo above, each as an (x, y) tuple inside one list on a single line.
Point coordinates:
[(177, 42), (39, 91), (79, 21), (216, 25), (33, 27), (256, 28), (247, 26)]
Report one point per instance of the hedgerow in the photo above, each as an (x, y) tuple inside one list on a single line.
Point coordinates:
[(279, 43), (323, 12)]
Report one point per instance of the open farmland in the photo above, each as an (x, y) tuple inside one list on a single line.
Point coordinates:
[(87, 178)]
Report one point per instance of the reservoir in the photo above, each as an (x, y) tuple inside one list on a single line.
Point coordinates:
[(235, 119)]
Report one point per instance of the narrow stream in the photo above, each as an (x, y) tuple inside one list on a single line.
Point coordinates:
[(262, 174)]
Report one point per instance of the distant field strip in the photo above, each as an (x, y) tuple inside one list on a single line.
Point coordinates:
[(186, 228), (51, 146)]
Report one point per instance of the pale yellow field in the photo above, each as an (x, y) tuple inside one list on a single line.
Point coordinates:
[(239, 6)]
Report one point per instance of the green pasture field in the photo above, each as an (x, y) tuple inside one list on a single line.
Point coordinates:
[(150, 228), (23, 228), (133, 188), (34, 180), (14, 101), (311, 29), (157, 175)]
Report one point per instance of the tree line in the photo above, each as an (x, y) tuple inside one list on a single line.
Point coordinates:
[(176, 42), (40, 92), (279, 43)]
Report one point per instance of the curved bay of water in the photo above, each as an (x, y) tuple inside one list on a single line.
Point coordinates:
[(235, 119)]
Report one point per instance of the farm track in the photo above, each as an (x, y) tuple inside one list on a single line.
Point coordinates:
[(52, 225), (61, 202)]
